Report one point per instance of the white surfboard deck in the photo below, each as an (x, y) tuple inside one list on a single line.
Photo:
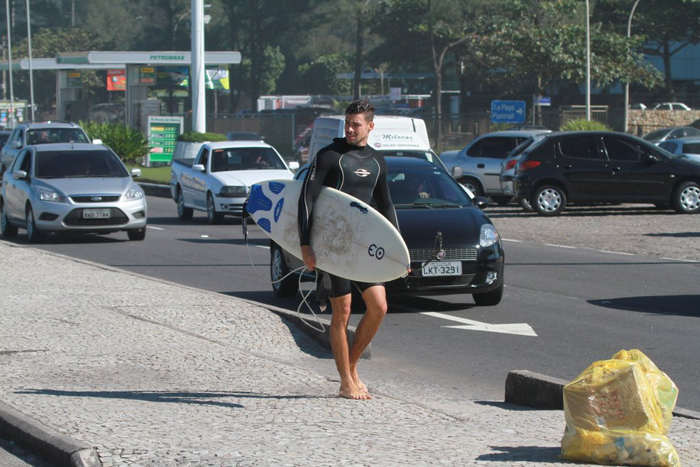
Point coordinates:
[(350, 238)]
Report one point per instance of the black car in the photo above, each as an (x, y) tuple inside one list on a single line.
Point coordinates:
[(604, 167), (453, 245)]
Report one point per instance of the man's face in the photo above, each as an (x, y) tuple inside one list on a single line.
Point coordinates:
[(357, 129)]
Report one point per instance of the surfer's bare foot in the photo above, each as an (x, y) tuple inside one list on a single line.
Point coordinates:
[(360, 385), (353, 392)]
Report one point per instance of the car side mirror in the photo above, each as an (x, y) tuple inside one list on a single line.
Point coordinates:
[(135, 173), (457, 172), (96, 141), (294, 165), (16, 145), (199, 168), (481, 202), (19, 175)]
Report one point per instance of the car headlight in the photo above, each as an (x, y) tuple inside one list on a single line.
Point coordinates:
[(233, 191), (50, 195), (488, 236), (133, 195)]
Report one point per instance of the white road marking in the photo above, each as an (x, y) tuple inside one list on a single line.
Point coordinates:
[(616, 252), (154, 228), (511, 240), (204, 236), (560, 246), (521, 329)]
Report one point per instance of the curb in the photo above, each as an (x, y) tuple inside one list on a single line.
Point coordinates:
[(50, 444), (538, 391), (153, 189)]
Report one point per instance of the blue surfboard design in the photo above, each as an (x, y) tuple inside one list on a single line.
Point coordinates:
[(276, 187), (265, 225), (258, 201), (278, 209)]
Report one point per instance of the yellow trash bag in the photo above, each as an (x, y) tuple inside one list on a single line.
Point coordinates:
[(618, 412)]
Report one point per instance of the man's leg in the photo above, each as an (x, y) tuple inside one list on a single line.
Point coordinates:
[(341, 307), (375, 300)]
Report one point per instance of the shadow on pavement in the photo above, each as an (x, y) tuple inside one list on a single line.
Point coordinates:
[(680, 305)]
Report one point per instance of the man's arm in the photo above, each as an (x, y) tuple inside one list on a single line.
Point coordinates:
[(381, 194), (310, 190)]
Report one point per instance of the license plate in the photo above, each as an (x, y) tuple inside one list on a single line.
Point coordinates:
[(447, 268), (96, 213)]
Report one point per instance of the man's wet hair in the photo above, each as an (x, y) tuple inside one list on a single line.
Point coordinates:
[(361, 107)]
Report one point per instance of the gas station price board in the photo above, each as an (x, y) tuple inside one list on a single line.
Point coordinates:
[(162, 138)]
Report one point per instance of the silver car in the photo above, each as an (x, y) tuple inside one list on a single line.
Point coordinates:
[(71, 188), (25, 134), (482, 159)]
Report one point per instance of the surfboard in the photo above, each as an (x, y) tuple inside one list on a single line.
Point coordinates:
[(350, 238)]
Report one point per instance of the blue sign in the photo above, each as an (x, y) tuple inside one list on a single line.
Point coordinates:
[(508, 111)]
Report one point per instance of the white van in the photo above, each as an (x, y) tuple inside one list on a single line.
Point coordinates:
[(392, 136)]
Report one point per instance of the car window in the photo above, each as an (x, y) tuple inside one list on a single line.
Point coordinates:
[(691, 148), (79, 164), (26, 163), (55, 135), (669, 146), (692, 132), (429, 156), (580, 147), (19, 161), (496, 147), (621, 150), (658, 134), (227, 159), (418, 186)]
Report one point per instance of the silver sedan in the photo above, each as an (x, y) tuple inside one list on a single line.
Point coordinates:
[(71, 188)]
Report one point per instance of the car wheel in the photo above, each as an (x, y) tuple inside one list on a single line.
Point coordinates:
[(183, 212), (525, 204), (686, 198), (34, 235), (473, 185), (549, 200), (491, 298), (8, 230), (283, 285), (136, 234), (212, 216), (501, 200)]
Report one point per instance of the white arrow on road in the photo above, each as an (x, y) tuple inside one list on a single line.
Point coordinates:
[(522, 329)]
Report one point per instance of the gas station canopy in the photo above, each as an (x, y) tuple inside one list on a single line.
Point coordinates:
[(146, 58)]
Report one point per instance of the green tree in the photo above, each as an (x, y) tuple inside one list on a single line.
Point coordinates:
[(48, 43), (268, 79), (668, 26), (320, 76), (541, 43)]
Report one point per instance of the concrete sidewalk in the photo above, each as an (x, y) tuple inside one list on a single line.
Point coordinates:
[(106, 367)]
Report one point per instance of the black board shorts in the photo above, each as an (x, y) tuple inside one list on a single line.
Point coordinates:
[(341, 286)]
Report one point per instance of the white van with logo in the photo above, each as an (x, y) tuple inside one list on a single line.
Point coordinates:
[(392, 136)]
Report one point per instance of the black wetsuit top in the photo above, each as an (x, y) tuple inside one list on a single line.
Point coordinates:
[(359, 171)]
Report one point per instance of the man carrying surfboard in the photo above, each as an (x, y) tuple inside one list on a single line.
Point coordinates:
[(353, 167)]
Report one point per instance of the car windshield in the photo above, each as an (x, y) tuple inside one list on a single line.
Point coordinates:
[(227, 159), (425, 188), (79, 164), (55, 135), (658, 134), (429, 156)]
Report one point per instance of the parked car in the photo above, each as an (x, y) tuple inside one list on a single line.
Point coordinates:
[(665, 134), (71, 188), (637, 106), (481, 161), (218, 179), (441, 224), (604, 167), (686, 147), (4, 136), (508, 170), (670, 106), (244, 136), (24, 134)]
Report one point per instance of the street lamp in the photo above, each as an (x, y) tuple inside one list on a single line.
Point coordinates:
[(588, 61), (31, 71), (627, 83), (207, 18), (11, 119)]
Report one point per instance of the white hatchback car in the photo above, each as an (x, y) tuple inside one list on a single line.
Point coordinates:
[(71, 188)]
